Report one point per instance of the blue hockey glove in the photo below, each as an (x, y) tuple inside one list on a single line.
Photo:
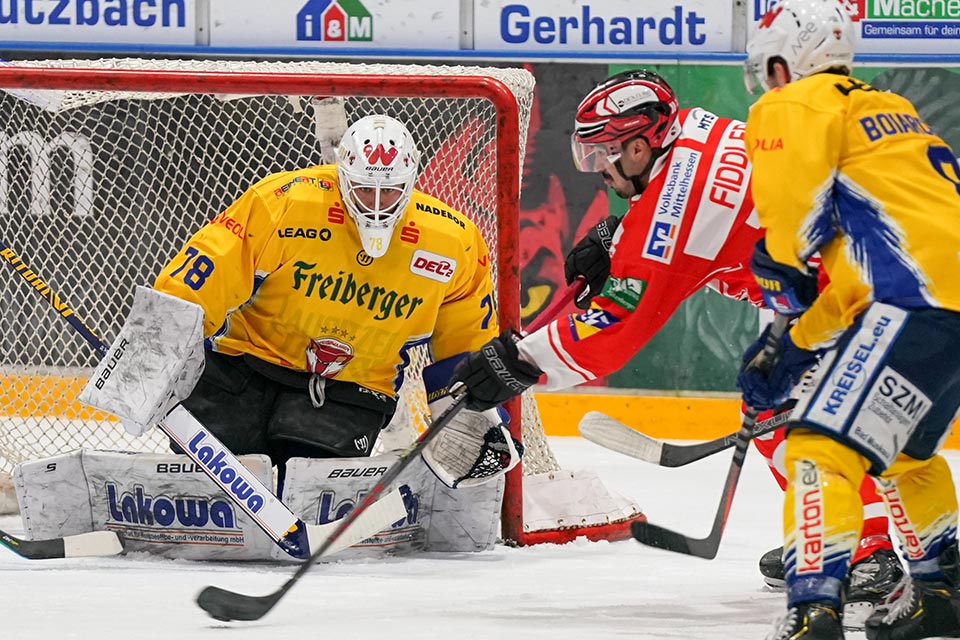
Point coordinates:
[(786, 290), (766, 387)]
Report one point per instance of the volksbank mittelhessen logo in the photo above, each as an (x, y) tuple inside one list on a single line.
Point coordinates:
[(334, 21)]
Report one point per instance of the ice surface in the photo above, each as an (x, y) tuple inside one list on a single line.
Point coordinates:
[(579, 591)]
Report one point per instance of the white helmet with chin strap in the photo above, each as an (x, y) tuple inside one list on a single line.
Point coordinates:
[(809, 35), (377, 164)]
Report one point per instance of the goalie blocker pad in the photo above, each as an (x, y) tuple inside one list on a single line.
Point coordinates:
[(165, 505), (154, 362)]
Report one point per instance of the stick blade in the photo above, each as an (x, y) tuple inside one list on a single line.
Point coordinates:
[(225, 605), (612, 434), (93, 544), (34, 549), (656, 536)]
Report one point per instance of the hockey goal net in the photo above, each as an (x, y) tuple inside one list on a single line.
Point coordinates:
[(107, 166)]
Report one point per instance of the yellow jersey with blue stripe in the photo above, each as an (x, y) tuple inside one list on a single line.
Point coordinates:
[(281, 275), (855, 173)]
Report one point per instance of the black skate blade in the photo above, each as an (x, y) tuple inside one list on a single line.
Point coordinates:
[(226, 606)]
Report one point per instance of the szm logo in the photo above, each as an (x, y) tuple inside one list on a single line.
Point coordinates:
[(334, 21)]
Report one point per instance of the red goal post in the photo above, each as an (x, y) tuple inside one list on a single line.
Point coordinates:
[(107, 166)]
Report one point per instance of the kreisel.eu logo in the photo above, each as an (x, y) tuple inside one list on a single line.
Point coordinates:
[(334, 21)]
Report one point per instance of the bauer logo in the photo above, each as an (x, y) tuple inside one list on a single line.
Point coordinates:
[(334, 21)]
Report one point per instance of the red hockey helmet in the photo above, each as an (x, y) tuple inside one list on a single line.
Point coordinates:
[(622, 107)]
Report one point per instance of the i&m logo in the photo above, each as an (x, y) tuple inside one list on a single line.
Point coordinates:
[(334, 21)]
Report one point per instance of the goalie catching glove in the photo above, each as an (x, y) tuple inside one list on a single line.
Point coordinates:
[(475, 447), (152, 365)]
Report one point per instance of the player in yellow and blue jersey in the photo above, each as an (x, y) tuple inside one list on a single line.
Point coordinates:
[(854, 173), (315, 284)]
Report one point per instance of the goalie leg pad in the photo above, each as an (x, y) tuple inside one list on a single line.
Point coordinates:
[(153, 364), (158, 503)]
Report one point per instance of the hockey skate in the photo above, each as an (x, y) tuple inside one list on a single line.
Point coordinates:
[(771, 568), (809, 621), (922, 608), (869, 583)]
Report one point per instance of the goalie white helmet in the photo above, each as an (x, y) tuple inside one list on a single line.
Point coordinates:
[(809, 35), (377, 165)]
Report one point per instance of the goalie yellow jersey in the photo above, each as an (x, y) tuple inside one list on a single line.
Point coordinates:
[(281, 275), (854, 173)]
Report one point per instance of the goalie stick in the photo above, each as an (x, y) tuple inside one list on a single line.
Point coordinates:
[(662, 538), (226, 605), (96, 543), (222, 604), (612, 434), (266, 510)]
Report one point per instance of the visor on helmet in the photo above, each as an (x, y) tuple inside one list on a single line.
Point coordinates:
[(594, 157)]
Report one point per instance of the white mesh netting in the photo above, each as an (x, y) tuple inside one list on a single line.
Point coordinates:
[(98, 189)]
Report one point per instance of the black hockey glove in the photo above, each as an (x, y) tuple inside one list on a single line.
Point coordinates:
[(495, 373), (590, 258)]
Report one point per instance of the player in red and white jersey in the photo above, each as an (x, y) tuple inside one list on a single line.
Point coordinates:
[(691, 223)]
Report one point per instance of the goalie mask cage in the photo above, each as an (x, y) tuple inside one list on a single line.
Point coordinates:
[(108, 166)]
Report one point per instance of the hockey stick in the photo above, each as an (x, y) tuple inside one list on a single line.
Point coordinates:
[(215, 460), (656, 536), (226, 605), (563, 298), (612, 434), (96, 543)]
